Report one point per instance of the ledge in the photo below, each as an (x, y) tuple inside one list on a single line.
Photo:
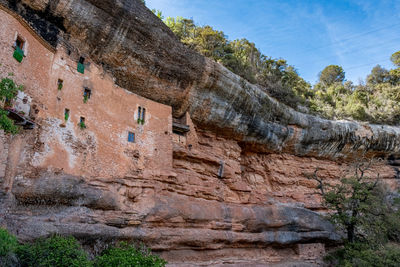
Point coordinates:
[(20, 119)]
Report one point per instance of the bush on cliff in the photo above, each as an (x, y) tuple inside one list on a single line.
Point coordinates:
[(8, 91), (53, 251), (125, 255)]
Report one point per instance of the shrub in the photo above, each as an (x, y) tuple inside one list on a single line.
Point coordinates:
[(8, 91), (6, 123), (362, 255), (125, 255), (53, 251), (8, 246)]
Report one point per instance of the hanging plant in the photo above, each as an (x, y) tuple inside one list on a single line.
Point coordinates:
[(82, 125)]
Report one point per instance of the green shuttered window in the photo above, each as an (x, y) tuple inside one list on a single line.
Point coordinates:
[(81, 68), (18, 54)]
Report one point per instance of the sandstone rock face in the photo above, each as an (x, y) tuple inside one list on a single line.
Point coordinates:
[(231, 191)]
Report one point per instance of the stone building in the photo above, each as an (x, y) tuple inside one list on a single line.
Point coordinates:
[(88, 126)]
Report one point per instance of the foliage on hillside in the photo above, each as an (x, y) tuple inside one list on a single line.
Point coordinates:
[(376, 100), (243, 58), (331, 97)]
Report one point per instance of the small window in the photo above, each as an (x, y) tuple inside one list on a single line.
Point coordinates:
[(131, 137), (86, 94), (19, 52), (66, 114), (60, 84), (19, 43), (141, 115), (81, 67), (82, 123)]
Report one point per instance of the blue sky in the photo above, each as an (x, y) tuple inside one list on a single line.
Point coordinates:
[(309, 34)]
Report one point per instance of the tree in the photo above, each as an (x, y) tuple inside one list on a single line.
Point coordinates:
[(395, 58), (378, 75), (331, 74), (361, 206), (368, 213), (183, 28), (210, 42)]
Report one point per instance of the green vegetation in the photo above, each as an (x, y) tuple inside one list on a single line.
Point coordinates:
[(53, 251), (369, 216), (375, 101), (243, 58), (332, 97), (67, 252), (125, 255), (8, 92), (82, 125), (8, 247)]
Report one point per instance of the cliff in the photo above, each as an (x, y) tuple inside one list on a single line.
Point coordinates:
[(232, 189), (145, 57)]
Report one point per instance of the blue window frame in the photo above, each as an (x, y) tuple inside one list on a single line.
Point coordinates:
[(131, 137)]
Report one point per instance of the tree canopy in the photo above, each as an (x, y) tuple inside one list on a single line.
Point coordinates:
[(332, 74)]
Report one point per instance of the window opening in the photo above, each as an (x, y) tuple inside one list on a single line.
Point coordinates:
[(86, 94), (81, 67), (131, 137), (66, 114), (141, 115), (19, 43), (60, 84), (19, 52), (82, 124)]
